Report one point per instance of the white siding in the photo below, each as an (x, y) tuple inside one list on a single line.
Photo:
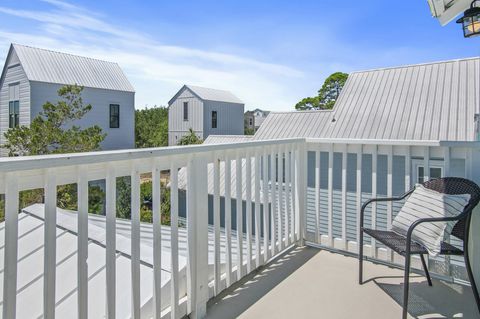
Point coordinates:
[(229, 118), (14, 73), (177, 127), (100, 99)]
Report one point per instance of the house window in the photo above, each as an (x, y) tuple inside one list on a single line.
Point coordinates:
[(214, 119), (436, 170), (114, 116), (251, 121), (13, 114), (185, 111)]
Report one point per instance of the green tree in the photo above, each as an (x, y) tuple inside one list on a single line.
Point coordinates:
[(124, 197), (190, 138), (151, 127), (248, 131), (327, 95), (53, 131)]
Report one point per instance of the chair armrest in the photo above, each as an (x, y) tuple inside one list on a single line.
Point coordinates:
[(428, 220), (380, 199)]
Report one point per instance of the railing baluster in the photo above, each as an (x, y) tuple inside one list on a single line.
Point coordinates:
[(11, 246), (228, 220), (273, 187), (293, 192), (300, 191), (174, 237), (426, 163), (446, 173), (135, 241), (50, 249), (330, 195), (389, 194), (239, 212), (317, 197), (157, 240), (110, 250), (287, 197), (248, 211), (374, 194), (408, 169), (358, 190), (446, 160), (280, 198), (258, 248), (216, 224), (82, 243), (266, 213), (344, 197)]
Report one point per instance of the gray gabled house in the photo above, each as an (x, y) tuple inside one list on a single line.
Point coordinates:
[(32, 76), (205, 111)]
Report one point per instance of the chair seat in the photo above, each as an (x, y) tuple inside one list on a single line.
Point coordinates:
[(398, 243)]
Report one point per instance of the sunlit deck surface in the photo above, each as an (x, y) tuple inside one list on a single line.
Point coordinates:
[(312, 283)]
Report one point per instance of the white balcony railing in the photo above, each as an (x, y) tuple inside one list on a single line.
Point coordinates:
[(47, 172), (311, 189)]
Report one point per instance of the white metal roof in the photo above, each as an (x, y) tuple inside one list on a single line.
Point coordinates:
[(219, 139), (208, 94), (55, 67), (434, 101), (30, 264), (224, 139)]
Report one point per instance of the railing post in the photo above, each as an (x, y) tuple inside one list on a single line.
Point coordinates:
[(301, 190), (197, 227), (11, 247), (50, 242)]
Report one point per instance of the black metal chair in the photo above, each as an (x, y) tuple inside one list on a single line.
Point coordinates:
[(404, 245)]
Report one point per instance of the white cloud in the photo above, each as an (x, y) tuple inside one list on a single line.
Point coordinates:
[(155, 69)]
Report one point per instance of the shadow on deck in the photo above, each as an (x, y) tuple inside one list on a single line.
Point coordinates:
[(312, 283)]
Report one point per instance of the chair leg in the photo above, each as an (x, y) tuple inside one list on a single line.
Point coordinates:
[(360, 259), (406, 284), (425, 268)]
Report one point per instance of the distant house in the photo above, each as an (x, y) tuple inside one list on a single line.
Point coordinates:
[(205, 111), (249, 119), (260, 116), (437, 101), (32, 76), (253, 119)]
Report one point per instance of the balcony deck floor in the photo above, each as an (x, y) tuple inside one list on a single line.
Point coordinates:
[(311, 283)]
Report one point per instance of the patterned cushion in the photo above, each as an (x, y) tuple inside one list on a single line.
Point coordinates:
[(427, 203)]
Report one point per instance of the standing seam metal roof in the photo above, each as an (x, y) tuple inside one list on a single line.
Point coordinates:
[(434, 101), (55, 67), (208, 94)]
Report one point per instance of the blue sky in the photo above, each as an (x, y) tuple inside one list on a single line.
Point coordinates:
[(269, 53)]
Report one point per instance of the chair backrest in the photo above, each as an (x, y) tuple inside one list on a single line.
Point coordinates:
[(455, 186)]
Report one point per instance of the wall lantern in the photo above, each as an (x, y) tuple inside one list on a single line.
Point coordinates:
[(471, 20)]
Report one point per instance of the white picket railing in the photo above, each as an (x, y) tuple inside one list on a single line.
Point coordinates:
[(346, 173), (316, 202), (251, 161)]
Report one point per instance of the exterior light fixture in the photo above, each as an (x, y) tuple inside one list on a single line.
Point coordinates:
[(471, 20)]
